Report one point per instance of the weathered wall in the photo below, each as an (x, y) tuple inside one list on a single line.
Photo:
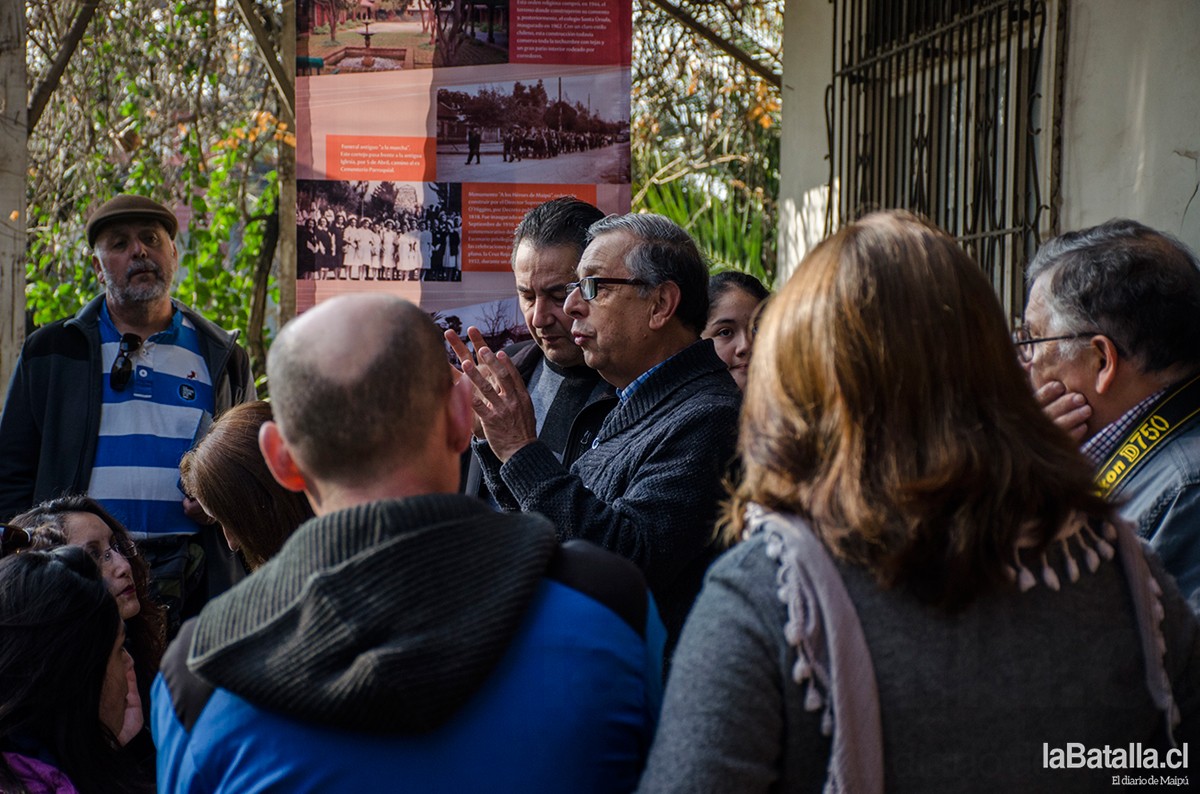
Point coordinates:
[(1131, 115)]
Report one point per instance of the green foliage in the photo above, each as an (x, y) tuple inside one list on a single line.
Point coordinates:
[(729, 230), (706, 128), (219, 267), (170, 102)]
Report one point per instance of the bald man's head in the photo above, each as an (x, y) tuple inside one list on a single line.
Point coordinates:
[(355, 383)]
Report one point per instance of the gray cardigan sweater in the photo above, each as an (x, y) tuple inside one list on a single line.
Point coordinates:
[(967, 700)]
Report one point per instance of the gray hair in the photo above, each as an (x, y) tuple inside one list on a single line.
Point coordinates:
[(664, 252), (1137, 286)]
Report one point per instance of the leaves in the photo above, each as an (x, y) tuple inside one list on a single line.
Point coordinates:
[(706, 128), (170, 101)]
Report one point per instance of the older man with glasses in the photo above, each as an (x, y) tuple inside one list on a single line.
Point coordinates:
[(1111, 341), (106, 402), (650, 485), (570, 400)]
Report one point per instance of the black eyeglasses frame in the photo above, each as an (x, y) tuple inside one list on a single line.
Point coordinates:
[(587, 285), (1024, 342)]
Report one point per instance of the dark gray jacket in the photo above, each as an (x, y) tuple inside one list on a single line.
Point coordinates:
[(51, 418), (967, 699)]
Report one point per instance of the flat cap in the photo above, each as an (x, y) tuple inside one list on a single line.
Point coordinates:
[(125, 207)]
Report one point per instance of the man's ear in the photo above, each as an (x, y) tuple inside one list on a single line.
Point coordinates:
[(99, 271), (664, 303), (279, 458), (460, 415), (1107, 362)]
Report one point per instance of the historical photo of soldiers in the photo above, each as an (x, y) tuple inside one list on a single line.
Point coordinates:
[(379, 231), (560, 130)]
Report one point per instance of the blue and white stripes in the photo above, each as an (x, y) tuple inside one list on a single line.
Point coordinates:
[(147, 427)]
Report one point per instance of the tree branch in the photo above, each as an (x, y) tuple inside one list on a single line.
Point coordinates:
[(723, 44), (283, 84), (41, 97)]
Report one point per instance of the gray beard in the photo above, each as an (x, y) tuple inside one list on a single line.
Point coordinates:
[(137, 300), (132, 295)]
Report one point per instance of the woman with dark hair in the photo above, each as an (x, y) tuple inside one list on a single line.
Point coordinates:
[(225, 472), (82, 521), (67, 699), (929, 595), (733, 302)]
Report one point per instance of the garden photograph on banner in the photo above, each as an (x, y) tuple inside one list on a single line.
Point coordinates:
[(426, 130)]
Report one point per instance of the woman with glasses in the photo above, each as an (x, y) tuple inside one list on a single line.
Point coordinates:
[(67, 701), (82, 521), (928, 594)]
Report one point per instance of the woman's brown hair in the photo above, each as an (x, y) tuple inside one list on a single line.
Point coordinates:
[(886, 404), (226, 472)]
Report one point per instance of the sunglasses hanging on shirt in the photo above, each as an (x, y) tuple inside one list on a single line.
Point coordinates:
[(122, 368)]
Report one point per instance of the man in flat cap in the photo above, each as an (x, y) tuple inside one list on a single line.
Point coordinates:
[(106, 402)]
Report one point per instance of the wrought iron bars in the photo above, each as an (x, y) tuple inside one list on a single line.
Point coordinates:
[(936, 106)]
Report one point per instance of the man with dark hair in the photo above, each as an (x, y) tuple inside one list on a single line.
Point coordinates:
[(570, 399), (407, 633), (649, 488), (108, 401), (1111, 341)]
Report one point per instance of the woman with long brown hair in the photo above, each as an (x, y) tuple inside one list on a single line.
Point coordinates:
[(929, 595), (227, 475)]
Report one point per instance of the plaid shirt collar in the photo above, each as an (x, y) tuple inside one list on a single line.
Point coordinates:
[(1101, 446), (624, 394)]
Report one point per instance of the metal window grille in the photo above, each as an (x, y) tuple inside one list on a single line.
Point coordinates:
[(937, 106)]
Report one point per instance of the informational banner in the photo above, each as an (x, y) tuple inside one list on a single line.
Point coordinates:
[(426, 130)]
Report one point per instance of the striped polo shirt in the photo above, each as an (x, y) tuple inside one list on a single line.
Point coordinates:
[(148, 426)]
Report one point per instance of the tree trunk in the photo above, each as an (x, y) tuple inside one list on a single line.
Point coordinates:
[(258, 301), (13, 157), (287, 185)]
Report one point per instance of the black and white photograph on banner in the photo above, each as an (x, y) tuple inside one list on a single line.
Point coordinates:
[(500, 321), (378, 231), (566, 130)]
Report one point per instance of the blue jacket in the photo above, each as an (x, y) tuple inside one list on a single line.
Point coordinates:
[(1164, 501), (357, 661)]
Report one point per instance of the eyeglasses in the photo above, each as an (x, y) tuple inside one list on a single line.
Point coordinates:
[(122, 368), (1025, 342), (588, 286), (122, 548), (14, 539)]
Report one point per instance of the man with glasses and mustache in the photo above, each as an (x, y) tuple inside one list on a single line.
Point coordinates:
[(650, 485), (570, 399), (106, 402), (1111, 341)]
